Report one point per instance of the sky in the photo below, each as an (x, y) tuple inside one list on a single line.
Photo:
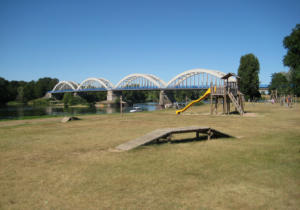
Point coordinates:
[(73, 40)]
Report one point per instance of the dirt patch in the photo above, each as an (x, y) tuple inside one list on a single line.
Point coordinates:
[(115, 150), (250, 115)]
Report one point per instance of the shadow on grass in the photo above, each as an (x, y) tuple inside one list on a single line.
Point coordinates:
[(237, 113), (180, 141)]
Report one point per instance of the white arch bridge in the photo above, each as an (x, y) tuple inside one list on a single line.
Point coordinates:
[(195, 79)]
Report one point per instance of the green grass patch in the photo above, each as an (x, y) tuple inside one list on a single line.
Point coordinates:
[(15, 103)]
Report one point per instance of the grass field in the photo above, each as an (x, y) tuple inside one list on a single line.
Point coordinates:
[(46, 164)]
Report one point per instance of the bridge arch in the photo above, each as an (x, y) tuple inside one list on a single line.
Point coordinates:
[(95, 83), (208, 77), (65, 85), (142, 80)]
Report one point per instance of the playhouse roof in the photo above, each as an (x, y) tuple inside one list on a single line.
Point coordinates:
[(230, 75)]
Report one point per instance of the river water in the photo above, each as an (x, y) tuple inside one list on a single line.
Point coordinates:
[(17, 111)]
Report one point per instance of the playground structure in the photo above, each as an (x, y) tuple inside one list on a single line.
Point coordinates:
[(282, 99), (227, 91)]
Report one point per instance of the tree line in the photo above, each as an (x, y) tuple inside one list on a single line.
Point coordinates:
[(131, 96), (289, 82), (25, 91)]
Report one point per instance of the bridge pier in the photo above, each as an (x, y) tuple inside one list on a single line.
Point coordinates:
[(113, 95), (166, 97)]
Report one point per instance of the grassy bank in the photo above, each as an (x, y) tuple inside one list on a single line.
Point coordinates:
[(53, 165), (32, 117), (15, 103)]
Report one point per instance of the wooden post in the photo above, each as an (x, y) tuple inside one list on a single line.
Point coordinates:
[(197, 135), (216, 104), (228, 105), (211, 103), (224, 104), (209, 134), (121, 106), (169, 138)]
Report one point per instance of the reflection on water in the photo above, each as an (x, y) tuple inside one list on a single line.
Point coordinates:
[(16, 111)]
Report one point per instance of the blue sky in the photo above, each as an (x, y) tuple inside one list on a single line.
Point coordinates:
[(74, 40)]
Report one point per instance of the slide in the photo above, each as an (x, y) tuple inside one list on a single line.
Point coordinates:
[(190, 104)]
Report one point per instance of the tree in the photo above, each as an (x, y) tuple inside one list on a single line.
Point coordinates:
[(292, 57), (67, 97), (20, 96), (249, 69), (280, 83), (29, 91), (4, 94), (43, 85)]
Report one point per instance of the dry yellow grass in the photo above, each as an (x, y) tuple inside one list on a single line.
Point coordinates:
[(46, 164)]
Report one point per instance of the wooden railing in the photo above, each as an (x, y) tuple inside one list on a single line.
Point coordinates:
[(223, 90)]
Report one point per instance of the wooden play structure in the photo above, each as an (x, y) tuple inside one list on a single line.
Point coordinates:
[(274, 95), (226, 92), (222, 94)]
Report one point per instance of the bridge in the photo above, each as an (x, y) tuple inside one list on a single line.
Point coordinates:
[(195, 79)]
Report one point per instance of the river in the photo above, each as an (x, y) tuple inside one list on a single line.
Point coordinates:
[(17, 111)]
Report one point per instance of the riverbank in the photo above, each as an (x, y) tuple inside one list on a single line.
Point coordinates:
[(46, 164)]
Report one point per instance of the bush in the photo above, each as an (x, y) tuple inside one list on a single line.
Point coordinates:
[(72, 101), (50, 99), (117, 101)]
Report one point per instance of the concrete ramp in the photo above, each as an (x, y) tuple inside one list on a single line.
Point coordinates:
[(66, 119), (167, 134)]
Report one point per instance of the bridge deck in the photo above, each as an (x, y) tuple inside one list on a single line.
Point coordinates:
[(167, 133)]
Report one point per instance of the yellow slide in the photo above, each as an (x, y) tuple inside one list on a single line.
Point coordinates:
[(190, 104)]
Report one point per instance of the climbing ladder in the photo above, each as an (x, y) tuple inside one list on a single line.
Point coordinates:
[(235, 103)]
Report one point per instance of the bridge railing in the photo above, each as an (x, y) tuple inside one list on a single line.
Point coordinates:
[(189, 87), (91, 89), (61, 91)]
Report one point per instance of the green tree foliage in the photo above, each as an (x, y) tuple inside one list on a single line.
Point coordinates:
[(4, 94), (25, 91), (292, 58), (20, 96), (43, 85), (93, 97), (249, 69), (70, 99), (117, 101), (29, 91), (181, 95), (280, 83), (152, 96), (67, 98), (135, 96)]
